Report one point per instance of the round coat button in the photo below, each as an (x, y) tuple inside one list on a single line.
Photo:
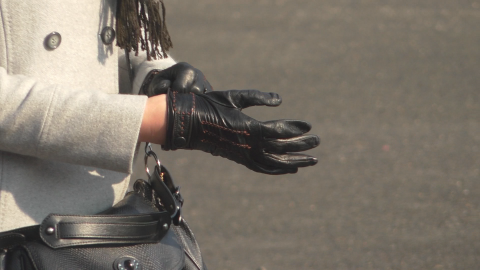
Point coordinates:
[(53, 40), (108, 35)]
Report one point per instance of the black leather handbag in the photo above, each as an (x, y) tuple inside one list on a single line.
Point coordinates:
[(144, 231)]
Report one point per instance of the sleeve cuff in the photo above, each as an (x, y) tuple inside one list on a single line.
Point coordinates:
[(93, 129)]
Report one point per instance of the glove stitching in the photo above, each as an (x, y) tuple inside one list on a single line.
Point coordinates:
[(174, 101), (246, 146), (175, 106), (226, 129), (175, 128), (182, 114)]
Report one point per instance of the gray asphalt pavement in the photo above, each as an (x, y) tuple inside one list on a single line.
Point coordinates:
[(392, 89)]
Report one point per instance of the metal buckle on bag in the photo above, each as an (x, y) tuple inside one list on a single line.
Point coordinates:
[(149, 153), (172, 194)]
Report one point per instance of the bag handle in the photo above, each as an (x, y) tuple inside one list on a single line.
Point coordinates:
[(59, 231)]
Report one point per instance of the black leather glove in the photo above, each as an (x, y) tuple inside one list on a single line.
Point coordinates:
[(213, 122), (181, 77)]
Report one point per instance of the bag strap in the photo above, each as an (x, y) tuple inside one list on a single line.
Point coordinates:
[(59, 231), (19, 236)]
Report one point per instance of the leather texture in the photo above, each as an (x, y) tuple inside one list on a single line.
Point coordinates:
[(164, 188), (193, 259), (18, 236), (11, 240), (68, 231), (18, 259), (167, 254), (140, 217), (169, 202), (164, 254), (214, 123), (181, 77)]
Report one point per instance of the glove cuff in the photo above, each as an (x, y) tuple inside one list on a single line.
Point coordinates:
[(180, 109)]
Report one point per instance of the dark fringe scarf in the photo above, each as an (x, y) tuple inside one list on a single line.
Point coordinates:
[(139, 22)]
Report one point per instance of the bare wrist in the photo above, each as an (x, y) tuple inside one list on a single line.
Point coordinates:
[(153, 128)]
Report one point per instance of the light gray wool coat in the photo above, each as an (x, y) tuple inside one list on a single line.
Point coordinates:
[(67, 137)]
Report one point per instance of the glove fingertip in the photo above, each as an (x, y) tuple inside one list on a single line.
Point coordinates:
[(313, 161), (274, 100), (304, 126), (316, 140)]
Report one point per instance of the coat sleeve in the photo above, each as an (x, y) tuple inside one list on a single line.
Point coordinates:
[(77, 126), (141, 67)]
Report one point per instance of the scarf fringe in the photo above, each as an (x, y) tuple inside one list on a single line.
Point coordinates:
[(133, 16)]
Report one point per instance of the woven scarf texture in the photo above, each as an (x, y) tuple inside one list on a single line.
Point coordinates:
[(141, 26)]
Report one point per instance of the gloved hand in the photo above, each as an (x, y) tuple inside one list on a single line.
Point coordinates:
[(181, 77), (214, 123)]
